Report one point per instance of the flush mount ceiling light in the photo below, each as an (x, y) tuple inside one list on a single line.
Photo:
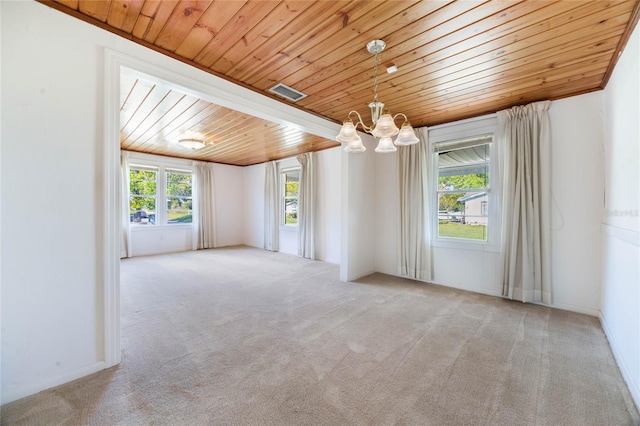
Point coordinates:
[(192, 143), (383, 126)]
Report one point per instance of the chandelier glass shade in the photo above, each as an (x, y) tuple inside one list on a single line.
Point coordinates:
[(383, 125)]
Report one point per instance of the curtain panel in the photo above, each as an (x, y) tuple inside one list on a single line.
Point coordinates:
[(125, 234), (306, 206), (271, 207), (204, 207), (414, 251), (524, 163)]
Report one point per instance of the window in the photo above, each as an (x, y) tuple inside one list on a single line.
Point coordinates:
[(151, 186), (291, 185), (179, 199), (142, 196), (463, 187)]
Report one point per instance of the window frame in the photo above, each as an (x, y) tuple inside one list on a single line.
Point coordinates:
[(449, 133), (155, 196), (167, 197), (283, 180), (455, 145), (161, 167)]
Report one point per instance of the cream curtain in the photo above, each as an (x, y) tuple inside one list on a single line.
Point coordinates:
[(306, 206), (125, 240), (415, 201), (203, 206), (524, 163), (271, 207)]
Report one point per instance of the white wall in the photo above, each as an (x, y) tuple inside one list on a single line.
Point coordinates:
[(53, 175), (328, 214), (253, 217), (386, 213), (253, 212), (358, 232), (229, 204), (51, 198), (577, 193), (157, 239), (621, 220), (1, 180)]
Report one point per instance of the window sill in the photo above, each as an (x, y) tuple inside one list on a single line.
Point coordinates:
[(465, 245), (289, 228), (149, 228)]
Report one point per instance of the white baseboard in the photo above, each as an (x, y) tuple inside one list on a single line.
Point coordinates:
[(472, 289), (627, 235), (15, 394), (632, 384), (574, 308), (492, 292)]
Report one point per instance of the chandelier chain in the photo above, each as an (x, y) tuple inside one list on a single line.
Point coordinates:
[(375, 77)]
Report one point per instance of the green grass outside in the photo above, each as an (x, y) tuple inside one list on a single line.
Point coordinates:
[(178, 217), (458, 230), (290, 219)]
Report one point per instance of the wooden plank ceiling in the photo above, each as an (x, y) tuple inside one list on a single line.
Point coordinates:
[(154, 116), (455, 59)]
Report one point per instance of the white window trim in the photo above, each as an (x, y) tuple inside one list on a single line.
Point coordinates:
[(456, 131)]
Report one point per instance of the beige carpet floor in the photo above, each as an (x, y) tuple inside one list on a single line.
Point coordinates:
[(241, 336)]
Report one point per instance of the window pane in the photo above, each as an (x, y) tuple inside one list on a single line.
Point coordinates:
[(291, 188), (142, 210), (292, 184), (142, 199), (460, 215), (463, 182), (179, 201), (291, 211), (462, 230), (142, 182), (466, 168), (179, 184), (449, 203), (179, 210)]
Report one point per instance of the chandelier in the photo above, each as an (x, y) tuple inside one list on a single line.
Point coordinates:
[(383, 126)]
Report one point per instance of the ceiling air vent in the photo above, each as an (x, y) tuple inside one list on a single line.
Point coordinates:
[(287, 92)]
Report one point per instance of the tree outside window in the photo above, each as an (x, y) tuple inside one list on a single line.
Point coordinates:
[(142, 198), (291, 183), (179, 197)]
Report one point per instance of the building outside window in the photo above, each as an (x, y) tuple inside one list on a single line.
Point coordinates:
[(463, 188), (290, 189)]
